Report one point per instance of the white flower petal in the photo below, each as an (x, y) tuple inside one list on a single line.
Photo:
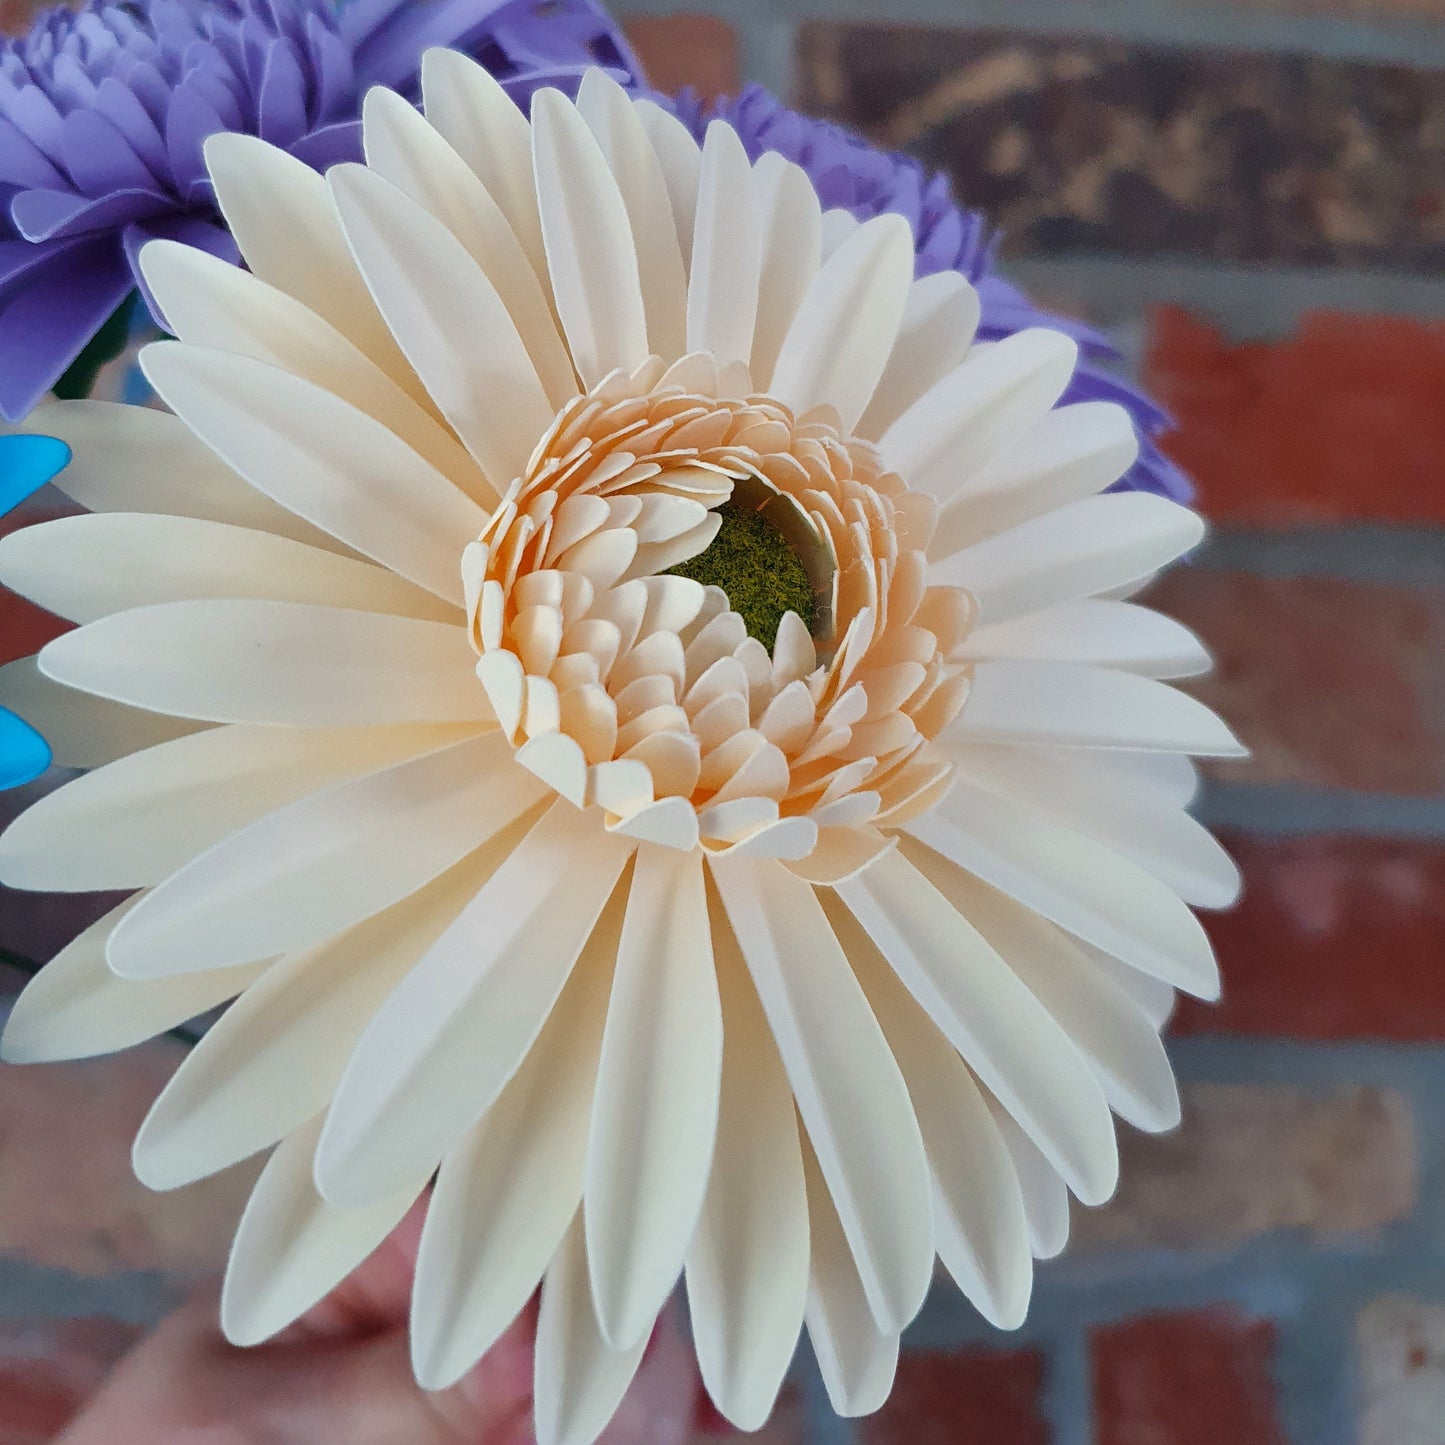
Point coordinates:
[(747, 1266), (1154, 998), (449, 320), (75, 1007), (413, 155), (790, 224), (856, 1359), (136, 820), (300, 874), (273, 1058), (508, 1191), (83, 731), (322, 458), (138, 459), (961, 421), (681, 160), (590, 253), (722, 288), (292, 1249), (579, 1379), (982, 1230), (439, 1051), (68, 566), (1003, 1032), (1070, 552), (655, 1119), (1070, 704), (1084, 887), (273, 662), (838, 345), (635, 166), (850, 1093), (939, 320), (1097, 632), (1046, 1197)]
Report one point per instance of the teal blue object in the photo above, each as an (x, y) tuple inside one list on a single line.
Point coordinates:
[(26, 464)]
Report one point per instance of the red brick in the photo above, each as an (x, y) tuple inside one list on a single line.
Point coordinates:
[(971, 1395), (1336, 937), (1330, 683), (1185, 1379), (678, 50), (68, 1198), (49, 1369), (1341, 422)]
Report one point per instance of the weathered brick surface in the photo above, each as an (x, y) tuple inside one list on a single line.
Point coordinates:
[(68, 1198), (1401, 1369), (1340, 422), (1336, 937), (972, 1395), (786, 1425), (1201, 1378), (49, 1368), (1250, 1158), (1330, 683), (678, 50)]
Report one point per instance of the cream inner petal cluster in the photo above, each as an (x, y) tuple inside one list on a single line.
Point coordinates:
[(655, 947)]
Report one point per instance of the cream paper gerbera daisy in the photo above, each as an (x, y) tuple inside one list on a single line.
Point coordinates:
[(780, 934)]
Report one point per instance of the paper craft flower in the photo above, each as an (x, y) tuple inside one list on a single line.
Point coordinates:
[(27, 463), (856, 180), (663, 747), (103, 112)]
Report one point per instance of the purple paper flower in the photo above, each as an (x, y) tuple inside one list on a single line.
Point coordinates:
[(850, 174), (103, 112)]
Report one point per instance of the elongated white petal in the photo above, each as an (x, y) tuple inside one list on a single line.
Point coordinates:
[(1172, 776), (852, 1098), (1154, 998), (1084, 887), (838, 345), (1046, 1197), (1070, 552), (747, 1268), (83, 731), (487, 129), (273, 1058), (939, 320), (1105, 1025), (722, 288), (70, 566), (507, 1192), (135, 821), (323, 459), (962, 421), (1073, 705), (304, 872), (635, 166), (1070, 453), (459, 1025), (579, 1379), (413, 156), (273, 662), (590, 253), (1137, 821), (982, 1230), (655, 1118), (1004, 1034), (449, 320), (210, 302), (856, 1359), (292, 1249), (277, 209), (1097, 632), (790, 224), (138, 459), (76, 1007)]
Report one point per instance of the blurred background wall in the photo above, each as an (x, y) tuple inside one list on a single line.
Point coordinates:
[(1250, 198)]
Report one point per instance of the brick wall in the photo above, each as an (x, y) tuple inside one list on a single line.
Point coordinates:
[(1251, 198)]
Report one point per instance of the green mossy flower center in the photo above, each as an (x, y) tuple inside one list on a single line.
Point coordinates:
[(760, 573)]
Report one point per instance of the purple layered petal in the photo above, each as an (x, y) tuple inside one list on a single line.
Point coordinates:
[(330, 146), (22, 163), (99, 158), (51, 215), (122, 107), (195, 231), (281, 107)]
